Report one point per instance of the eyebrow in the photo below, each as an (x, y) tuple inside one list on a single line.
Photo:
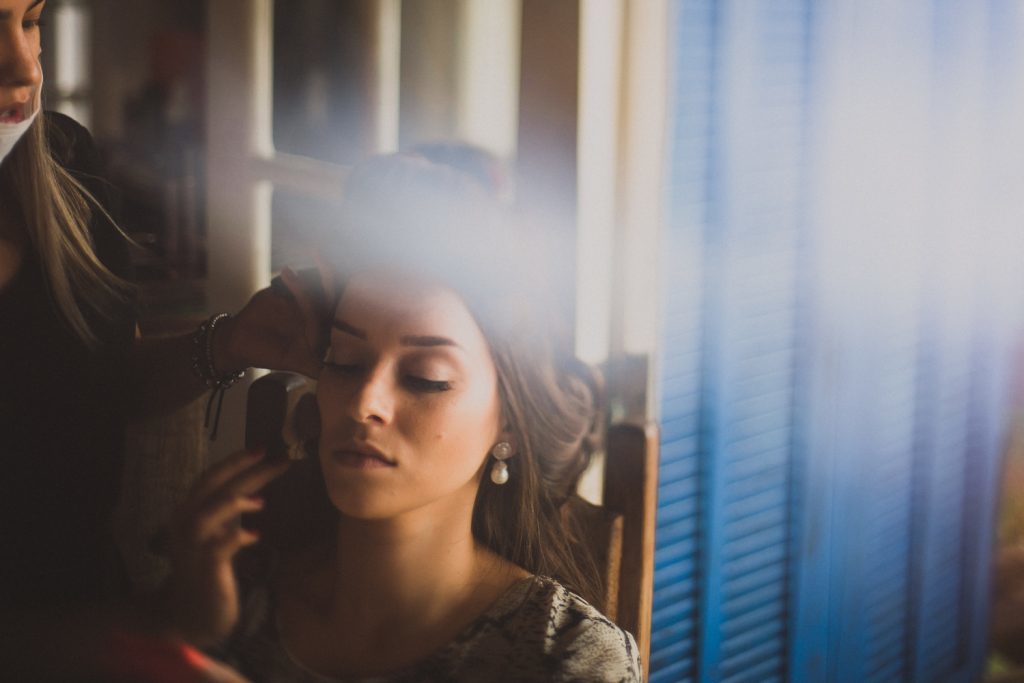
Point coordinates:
[(7, 14), (408, 340), (343, 326), (414, 340)]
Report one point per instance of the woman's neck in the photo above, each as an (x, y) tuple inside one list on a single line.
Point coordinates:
[(393, 592), (418, 568)]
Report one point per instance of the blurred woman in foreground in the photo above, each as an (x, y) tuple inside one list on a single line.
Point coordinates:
[(72, 366)]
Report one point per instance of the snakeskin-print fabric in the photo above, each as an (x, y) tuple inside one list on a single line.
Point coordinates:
[(537, 631)]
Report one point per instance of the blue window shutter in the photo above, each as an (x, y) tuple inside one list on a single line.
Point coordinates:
[(943, 442), (675, 619), (750, 339), (728, 367), (964, 379), (831, 440)]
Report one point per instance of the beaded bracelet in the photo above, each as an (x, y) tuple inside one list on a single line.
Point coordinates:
[(204, 368), (202, 355)]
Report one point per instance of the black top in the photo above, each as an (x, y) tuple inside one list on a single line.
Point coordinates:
[(61, 419)]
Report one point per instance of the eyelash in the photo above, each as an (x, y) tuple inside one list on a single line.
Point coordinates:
[(31, 24), (421, 384), (427, 385)]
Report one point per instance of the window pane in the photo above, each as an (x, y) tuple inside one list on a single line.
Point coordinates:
[(72, 35), (324, 78), (302, 226)]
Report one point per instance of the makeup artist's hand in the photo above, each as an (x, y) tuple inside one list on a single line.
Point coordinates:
[(200, 598), (282, 327)]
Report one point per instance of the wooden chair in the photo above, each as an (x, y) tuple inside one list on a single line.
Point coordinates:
[(619, 533)]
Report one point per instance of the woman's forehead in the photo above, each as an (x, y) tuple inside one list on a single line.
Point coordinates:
[(389, 301), (15, 8)]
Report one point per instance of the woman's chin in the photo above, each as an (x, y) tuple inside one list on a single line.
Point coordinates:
[(358, 503)]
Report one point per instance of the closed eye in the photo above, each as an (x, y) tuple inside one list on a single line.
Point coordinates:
[(426, 385), (350, 369), (413, 382)]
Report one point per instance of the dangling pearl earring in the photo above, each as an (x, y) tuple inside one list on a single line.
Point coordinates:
[(502, 451)]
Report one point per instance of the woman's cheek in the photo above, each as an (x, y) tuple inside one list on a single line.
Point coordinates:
[(330, 401)]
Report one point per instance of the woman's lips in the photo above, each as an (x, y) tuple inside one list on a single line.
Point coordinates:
[(360, 461), (12, 114)]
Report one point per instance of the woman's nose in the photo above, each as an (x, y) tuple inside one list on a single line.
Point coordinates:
[(19, 59), (373, 399)]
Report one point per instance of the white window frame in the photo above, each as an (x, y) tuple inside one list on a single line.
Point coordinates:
[(242, 165), (243, 168)]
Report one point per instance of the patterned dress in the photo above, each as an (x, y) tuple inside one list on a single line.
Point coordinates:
[(536, 631)]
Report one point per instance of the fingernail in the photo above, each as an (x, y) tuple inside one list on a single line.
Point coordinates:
[(194, 656)]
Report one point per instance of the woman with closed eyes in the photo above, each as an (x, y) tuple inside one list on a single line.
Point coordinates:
[(450, 434)]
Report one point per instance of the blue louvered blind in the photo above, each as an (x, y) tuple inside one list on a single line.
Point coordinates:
[(945, 436), (722, 562), (675, 619), (961, 364), (833, 380), (859, 467)]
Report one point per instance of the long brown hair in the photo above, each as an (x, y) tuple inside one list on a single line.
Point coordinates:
[(54, 210)]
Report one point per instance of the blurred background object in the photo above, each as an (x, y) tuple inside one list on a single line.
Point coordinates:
[(790, 232)]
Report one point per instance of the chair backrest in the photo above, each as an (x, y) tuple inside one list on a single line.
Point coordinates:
[(630, 493), (618, 534)]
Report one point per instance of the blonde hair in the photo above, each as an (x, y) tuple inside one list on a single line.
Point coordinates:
[(55, 210)]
